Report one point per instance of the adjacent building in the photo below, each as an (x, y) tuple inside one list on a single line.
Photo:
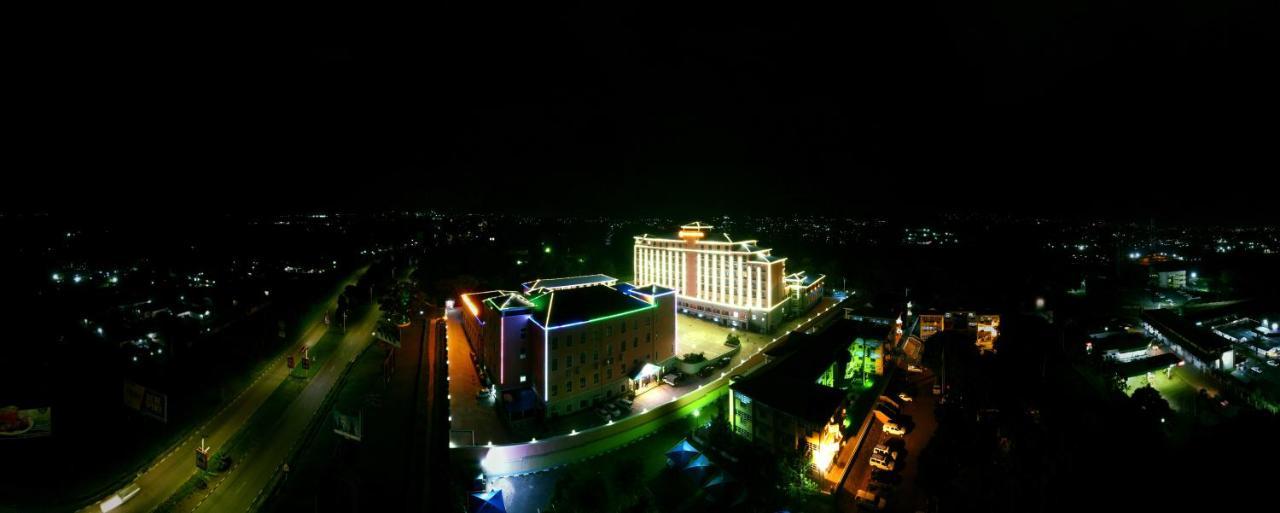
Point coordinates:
[(797, 400), (572, 342), (1201, 347), (736, 283)]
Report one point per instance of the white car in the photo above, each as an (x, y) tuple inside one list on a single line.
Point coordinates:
[(882, 462), (1273, 363), (905, 398), (894, 429), (884, 450)]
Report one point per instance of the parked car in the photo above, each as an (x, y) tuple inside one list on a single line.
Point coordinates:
[(1273, 363), (626, 403), (884, 450), (724, 361), (604, 413), (617, 411), (905, 397), (673, 378), (914, 368), (706, 371), (894, 429), (882, 462), (885, 476), (868, 500)]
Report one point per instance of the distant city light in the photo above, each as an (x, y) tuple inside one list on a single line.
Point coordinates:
[(76, 278), (57, 277)]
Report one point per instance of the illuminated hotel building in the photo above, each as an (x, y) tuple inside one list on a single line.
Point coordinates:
[(575, 342), (733, 282)]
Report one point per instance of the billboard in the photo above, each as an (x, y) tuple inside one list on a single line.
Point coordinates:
[(348, 426), (149, 402), (25, 423)]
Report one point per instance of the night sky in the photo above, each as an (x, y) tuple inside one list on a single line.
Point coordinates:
[(1057, 107)]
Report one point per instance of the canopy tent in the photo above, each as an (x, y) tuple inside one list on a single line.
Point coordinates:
[(720, 482), (700, 468), (487, 502), (680, 455)]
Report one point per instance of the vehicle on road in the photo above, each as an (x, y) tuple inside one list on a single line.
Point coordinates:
[(894, 429), (882, 462), (905, 397), (1273, 363), (673, 378), (937, 390), (869, 501), (914, 368), (120, 497)]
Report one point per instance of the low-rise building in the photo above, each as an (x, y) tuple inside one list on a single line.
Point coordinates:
[(1195, 344), (797, 400), (574, 346)]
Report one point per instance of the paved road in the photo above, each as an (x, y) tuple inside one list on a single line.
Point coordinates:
[(241, 487), (165, 476)]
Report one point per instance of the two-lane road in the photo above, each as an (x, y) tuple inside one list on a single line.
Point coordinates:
[(250, 477), (165, 476)]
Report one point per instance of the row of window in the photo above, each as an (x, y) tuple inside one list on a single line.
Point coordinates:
[(595, 378), (595, 355)]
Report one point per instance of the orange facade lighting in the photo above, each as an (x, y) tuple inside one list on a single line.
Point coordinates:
[(471, 306)]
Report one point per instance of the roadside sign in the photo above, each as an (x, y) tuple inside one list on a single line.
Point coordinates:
[(306, 363), (289, 360), (202, 459)]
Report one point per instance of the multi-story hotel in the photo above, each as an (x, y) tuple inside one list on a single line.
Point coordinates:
[(575, 342), (733, 282)]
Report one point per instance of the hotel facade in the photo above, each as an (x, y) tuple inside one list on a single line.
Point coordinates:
[(571, 342), (736, 283)]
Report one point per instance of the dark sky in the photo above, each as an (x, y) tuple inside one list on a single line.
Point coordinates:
[(1160, 109)]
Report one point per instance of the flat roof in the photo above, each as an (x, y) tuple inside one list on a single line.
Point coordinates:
[(1198, 341), (1122, 342), (571, 281), (1149, 364), (799, 362), (560, 308), (801, 399)]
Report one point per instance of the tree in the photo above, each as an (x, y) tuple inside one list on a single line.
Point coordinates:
[(1152, 404)]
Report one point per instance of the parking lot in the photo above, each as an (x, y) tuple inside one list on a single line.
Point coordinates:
[(899, 488)]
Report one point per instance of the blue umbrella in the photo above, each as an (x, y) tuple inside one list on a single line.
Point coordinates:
[(681, 454), (487, 502), (700, 468)]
